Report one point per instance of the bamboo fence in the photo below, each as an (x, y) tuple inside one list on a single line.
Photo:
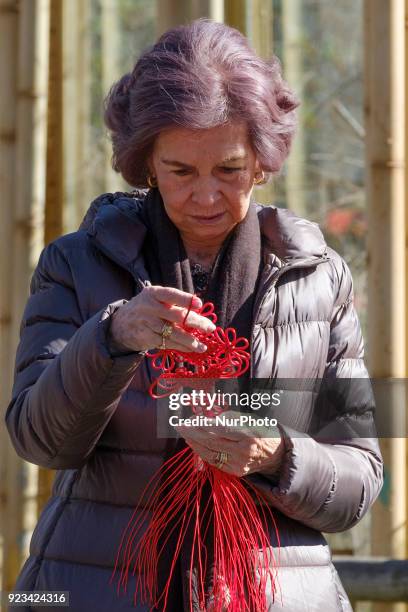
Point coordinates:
[(54, 196), (292, 55), (111, 71), (260, 31), (25, 197), (85, 189), (45, 188), (385, 163), (78, 181), (406, 251), (8, 100)]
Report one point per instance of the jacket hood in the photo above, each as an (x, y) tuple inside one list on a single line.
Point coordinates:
[(115, 223)]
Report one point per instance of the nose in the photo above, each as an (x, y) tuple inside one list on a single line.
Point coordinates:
[(205, 192)]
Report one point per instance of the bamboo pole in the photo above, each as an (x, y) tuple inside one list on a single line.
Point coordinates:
[(171, 13), (54, 196), (8, 69), (27, 241), (111, 71), (79, 184), (260, 33), (236, 14), (69, 104), (384, 116), (292, 33), (406, 235), (255, 20), (260, 28), (214, 9), (85, 189)]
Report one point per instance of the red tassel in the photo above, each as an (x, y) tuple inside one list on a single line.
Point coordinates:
[(243, 557), (243, 560)]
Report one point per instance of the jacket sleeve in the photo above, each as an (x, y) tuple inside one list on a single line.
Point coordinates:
[(329, 486), (66, 382)]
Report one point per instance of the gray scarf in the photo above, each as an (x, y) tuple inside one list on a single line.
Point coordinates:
[(234, 275), (231, 288)]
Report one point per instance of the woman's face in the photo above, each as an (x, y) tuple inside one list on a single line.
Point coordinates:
[(205, 178)]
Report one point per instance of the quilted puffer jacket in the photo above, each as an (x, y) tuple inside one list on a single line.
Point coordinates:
[(78, 410)]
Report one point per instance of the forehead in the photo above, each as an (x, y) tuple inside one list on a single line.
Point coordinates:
[(229, 140)]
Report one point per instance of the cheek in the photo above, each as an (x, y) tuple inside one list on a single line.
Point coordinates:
[(240, 213), (239, 197), (168, 186), (174, 201), (238, 207)]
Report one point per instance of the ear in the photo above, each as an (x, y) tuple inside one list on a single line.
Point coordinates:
[(257, 168)]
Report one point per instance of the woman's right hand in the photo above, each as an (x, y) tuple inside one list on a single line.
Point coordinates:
[(137, 325)]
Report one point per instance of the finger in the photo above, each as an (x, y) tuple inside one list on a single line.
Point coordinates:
[(173, 296), (208, 455), (240, 460), (197, 347), (178, 315), (170, 344), (178, 336)]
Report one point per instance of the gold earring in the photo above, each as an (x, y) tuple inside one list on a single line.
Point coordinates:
[(261, 180), (151, 181)]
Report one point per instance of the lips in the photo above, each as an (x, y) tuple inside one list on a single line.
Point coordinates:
[(209, 218)]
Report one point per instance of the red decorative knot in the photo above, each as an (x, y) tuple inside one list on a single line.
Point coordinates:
[(226, 356)]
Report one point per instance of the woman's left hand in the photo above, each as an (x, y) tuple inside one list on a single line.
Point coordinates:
[(247, 453)]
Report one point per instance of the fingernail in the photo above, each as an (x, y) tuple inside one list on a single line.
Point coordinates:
[(202, 347), (210, 327), (197, 303)]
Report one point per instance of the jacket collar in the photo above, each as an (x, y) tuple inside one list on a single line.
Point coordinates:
[(289, 238), (115, 225)]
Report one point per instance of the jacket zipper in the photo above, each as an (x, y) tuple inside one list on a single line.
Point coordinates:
[(271, 284)]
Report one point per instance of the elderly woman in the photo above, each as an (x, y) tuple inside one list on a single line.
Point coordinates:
[(199, 120)]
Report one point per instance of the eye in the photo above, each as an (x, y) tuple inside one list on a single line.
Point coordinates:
[(182, 172), (228, 170)]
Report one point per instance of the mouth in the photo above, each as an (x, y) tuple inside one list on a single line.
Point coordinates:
[(208, 218)]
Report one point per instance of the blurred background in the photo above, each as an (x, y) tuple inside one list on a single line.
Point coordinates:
[(346, 60)]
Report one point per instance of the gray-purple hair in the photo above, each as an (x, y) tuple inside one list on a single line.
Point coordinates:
[(199, 76)]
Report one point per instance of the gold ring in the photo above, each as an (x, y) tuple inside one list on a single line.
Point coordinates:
[(167, 330), (220, 459), (162, 346)]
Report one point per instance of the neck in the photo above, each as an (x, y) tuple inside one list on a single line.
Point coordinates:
[(204, 258), (200, 252)]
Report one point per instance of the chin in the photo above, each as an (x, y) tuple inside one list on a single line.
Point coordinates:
[(210, 235)]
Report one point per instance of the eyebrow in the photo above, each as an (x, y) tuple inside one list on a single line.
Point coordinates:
[(232, 158)]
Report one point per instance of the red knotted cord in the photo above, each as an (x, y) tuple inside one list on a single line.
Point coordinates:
[(226, 356), (243, 559)]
